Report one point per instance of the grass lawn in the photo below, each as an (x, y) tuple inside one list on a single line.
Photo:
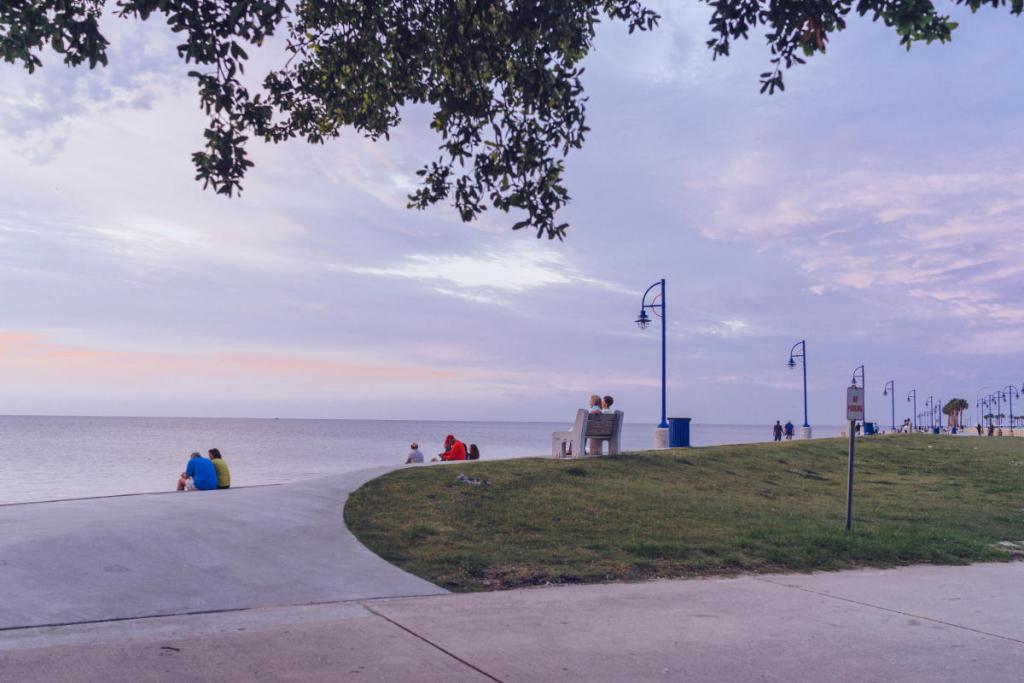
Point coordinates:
[(719, 510)]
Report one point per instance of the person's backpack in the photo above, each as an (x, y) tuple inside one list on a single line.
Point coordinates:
[(474, 452)]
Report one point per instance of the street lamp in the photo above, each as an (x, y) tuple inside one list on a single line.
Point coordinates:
[(1011, 391), (802, 355), (890, 390), (930, 405), (657, 306), (977, 404), (913, 393), (858, 371)]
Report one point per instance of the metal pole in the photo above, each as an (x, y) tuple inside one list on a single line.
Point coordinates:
[(891, 386), (664, 316), (1010, 395), (804, 344), (849, 479)]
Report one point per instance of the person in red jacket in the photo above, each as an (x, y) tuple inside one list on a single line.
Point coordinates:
[(453, 449)]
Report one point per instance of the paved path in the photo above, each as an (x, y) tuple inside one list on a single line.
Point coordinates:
[(912, 624), (163, 554)]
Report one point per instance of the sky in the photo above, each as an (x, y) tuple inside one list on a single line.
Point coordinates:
[(873, 209)]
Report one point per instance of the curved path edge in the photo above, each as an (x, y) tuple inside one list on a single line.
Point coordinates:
[(130, 557)]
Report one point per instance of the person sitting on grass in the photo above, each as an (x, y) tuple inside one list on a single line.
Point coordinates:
[(199, 475), (223, 473), (453, 450), (415, 456)]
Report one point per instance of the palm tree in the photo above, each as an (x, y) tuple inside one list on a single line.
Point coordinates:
[(955, 409)]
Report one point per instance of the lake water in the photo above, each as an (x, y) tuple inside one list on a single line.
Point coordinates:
[(51, 458)]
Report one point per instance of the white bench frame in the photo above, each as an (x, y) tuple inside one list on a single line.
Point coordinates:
[(571, 443)]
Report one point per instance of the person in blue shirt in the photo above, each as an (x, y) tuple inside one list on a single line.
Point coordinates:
[(199, 474)]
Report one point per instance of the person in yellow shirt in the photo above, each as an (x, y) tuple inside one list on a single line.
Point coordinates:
[(223, 473)]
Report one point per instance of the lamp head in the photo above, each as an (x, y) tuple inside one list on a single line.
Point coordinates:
[(643, 320), (791, 363)]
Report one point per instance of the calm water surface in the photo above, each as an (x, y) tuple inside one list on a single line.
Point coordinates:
[(50, 458)]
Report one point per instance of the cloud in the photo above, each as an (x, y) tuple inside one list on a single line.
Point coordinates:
[(511, 267), (942, 235), (38, 355)]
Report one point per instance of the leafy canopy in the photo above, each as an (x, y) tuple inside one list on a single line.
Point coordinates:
[(955, 406), (502, 77)]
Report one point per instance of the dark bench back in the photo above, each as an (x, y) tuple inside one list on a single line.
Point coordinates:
[(601, 424)]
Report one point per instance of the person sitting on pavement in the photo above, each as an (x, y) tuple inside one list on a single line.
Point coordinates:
[(453, 450), (221, 466), (415, 456), (199, 474), (606, 404)]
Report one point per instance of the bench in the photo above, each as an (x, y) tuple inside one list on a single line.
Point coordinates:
[(598, 427)]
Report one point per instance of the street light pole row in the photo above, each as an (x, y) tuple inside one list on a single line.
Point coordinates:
[(799, 350), (984, 405)]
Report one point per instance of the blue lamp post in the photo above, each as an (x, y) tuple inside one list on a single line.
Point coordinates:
[(977, 405), (657, 306), (802, 355), (859, 371), (890, 390), (913, 393), (1011, 391)]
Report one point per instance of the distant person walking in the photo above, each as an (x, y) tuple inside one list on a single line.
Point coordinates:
[(221, 467), (789, 430), (415, 456), (777, 431), (199, 475)]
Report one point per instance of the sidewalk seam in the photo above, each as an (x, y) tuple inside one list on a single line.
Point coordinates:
[(891, 610), (208, 612), (431, 643)]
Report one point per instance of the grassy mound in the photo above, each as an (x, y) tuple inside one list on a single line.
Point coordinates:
[(720, 510)]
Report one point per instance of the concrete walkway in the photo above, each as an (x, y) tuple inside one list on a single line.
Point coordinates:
[(913, 624), (128, 557)]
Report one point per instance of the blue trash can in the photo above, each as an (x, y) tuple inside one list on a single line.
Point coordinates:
[(936, 430), (679, 432), (869, 428)]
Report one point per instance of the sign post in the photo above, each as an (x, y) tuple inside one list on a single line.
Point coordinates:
[(854, 412)]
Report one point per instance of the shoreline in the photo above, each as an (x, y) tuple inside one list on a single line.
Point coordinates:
[(358, 466)]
